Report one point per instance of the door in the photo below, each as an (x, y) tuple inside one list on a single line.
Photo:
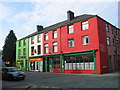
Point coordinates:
[(37, 66)]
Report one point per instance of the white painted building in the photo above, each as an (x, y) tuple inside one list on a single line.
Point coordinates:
[(35, 52)]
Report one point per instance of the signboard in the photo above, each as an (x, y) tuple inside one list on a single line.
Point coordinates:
[(35, 59)]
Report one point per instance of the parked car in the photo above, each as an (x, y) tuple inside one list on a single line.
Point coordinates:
[(11, 73)]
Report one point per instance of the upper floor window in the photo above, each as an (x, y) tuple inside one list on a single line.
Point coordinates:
[(24, 42), (32, 40), (19, 52), (46, 48), (55, 47), (38, 38), (108, 40), (24, 51), (32, 51), (85, 40), (107, 27), (54, 34), (70, 29), (19, 43), (46, 36), (85, 25), (39, 49), (71, 42)]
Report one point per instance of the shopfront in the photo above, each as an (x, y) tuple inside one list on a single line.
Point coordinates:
[(36, 64), (80, 62)]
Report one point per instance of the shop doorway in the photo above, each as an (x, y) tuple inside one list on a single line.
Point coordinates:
[(34, 66)]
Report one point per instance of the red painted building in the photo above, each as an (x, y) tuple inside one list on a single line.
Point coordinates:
[(80, 45)]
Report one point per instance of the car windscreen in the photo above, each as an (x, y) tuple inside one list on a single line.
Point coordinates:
[(12, 70)]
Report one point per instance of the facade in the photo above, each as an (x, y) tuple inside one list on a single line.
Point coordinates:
[(79, 44), (35, 53), (22, 54)]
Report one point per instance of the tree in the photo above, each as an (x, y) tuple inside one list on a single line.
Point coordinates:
[(9, 48)]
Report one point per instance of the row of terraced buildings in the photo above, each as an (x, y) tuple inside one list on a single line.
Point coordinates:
[(82, 44)]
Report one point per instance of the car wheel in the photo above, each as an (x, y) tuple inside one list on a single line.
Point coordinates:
[(10, 78)]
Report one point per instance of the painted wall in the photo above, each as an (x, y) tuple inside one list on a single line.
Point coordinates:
[(36, 43), (22, 57)]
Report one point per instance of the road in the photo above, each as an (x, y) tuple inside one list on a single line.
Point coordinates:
[(62, 80)]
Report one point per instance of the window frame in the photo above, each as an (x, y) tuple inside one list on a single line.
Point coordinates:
[(55, 45), (71, 42), (46, 47), (46, 36), (70, 29), (84, 25), (108, 40), (55, 34), (84, 38), (32, 40)]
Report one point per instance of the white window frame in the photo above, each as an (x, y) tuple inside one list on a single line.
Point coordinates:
[(54, 34), (70, 29), (71, 42), (107, 27), (38, 38), (84, 40), (32, 40), (46, 48), (55, 47), (85, 25), (108, 40), (46, 36)]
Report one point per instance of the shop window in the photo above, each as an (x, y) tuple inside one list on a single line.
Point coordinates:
[(32, 40), (39, 49), (70, 42), (38, 38), (55, 47), (56, 63), (46, 48), (20, 65), (32, 51), (79, 62), (85, 40), (107, 27), (46, 36), (70, 29), (85, 25), (54, 34)]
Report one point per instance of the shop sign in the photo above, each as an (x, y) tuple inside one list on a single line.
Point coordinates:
[(36, 59)]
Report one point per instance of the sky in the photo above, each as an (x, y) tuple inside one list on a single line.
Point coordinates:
[(22, 16)]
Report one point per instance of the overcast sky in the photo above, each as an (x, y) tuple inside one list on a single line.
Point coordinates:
[(22, 17)]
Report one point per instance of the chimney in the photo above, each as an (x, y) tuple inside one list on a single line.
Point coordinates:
[(70, 15), (39, 28)]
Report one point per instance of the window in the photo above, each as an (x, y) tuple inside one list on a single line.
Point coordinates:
[(113, 42), (46, 36), (19, 52), (38, 38), (70, 42), (107, 27), (39, 49), (24, 42), (79, 62), (85, 25), (32, 40), (55, 47), (71, 29), (32, 51), (108, 40), (19, 43), (54, 34), (46, 48), (55, 62), (85, 40), (24, 51)]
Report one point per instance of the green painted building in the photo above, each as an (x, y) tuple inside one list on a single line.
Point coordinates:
[(22, 54)]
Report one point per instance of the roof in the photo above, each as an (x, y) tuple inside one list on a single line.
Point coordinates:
[(66, 22), (60, 24)]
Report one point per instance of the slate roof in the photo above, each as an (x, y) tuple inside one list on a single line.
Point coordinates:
[(63, 23)]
